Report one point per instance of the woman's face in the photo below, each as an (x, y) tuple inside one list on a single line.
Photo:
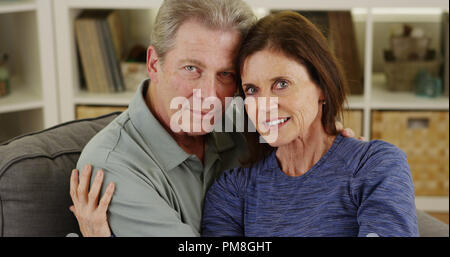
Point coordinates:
[(271, 74)]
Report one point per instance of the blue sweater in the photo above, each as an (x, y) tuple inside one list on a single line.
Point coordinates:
[(356, 189)]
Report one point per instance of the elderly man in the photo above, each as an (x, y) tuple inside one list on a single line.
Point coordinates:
[(162, 176)]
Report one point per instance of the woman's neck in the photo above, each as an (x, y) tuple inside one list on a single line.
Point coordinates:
[(300, 155)]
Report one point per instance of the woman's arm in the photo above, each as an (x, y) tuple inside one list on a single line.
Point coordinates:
[(137, 209), (383, 190), (224, 206)]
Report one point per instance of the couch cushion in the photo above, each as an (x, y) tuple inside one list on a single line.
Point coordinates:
[(430, 226), (35, 175)]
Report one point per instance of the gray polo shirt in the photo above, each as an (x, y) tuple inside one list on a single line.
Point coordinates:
[(159, 188)]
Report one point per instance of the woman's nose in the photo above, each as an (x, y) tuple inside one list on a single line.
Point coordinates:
[(267, 104)]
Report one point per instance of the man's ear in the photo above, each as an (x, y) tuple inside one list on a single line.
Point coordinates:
[(152, 64)]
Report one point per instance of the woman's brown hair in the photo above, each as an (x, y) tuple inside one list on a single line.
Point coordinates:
[(296, 37)]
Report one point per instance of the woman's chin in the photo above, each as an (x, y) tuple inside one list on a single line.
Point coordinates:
[(275, 140)]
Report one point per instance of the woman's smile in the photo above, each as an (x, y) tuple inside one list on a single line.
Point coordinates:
[(276, 123)]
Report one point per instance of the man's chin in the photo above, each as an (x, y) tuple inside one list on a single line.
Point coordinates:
[(196, 132)]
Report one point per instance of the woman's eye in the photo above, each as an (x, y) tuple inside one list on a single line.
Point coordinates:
[(250, 90), (282, 84)]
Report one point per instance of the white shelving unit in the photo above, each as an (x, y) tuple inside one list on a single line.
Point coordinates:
[(17, 6), (368, 12), (20, 99), (382, 99), (65, 12), (32, 104)]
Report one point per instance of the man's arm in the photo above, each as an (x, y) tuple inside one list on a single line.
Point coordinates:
[(136, 209)]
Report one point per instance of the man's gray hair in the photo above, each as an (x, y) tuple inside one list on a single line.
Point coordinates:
[(215, 14)]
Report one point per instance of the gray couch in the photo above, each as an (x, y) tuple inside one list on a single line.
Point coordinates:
[(34, 181)]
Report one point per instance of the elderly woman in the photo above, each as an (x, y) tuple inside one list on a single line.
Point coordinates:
[(310, 181)]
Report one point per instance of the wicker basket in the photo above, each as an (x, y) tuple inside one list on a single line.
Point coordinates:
[(88, 111), (423, 136), (401, 75), (353, 120)]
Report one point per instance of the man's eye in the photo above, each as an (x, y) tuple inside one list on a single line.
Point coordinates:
[(227, 77), (190, 68)]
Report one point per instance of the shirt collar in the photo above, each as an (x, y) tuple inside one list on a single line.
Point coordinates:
[(222, 141), (169, 153)]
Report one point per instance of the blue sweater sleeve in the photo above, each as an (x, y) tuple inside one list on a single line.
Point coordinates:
[(383, 190), (223, 208)]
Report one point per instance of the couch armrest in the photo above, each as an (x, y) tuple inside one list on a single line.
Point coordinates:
[(430, 226)]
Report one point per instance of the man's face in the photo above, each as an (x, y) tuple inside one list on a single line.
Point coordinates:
[(202, 59)]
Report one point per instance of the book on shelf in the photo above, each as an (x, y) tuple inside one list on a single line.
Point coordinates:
[(342, 41), (99, 40), (338, 28)]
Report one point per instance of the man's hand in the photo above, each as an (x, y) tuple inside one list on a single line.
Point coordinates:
[(347, 132), (89, 211)]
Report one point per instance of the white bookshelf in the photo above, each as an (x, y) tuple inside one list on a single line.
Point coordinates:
[(17, 6), (20, 99), (27, 37), (367, 13)]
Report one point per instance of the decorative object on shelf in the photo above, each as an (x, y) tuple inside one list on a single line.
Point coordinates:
[(408, 55), (133, 74), (100, 44), (427, 85), (412, 44), (4, 76), (91, 111), (134, 69), (138, 53), (338, 28), (424, 137)]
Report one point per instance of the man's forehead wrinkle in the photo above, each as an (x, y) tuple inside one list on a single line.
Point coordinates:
[(200, 58), (209, 48), (193, 61)]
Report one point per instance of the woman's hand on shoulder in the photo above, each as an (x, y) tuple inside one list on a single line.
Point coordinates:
[(347, 132), (87, 207)]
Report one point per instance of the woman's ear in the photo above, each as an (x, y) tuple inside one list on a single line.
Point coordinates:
[(152, 64), (321, 97)]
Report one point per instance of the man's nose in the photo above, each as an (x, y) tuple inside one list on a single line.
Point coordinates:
[(209, 86)]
